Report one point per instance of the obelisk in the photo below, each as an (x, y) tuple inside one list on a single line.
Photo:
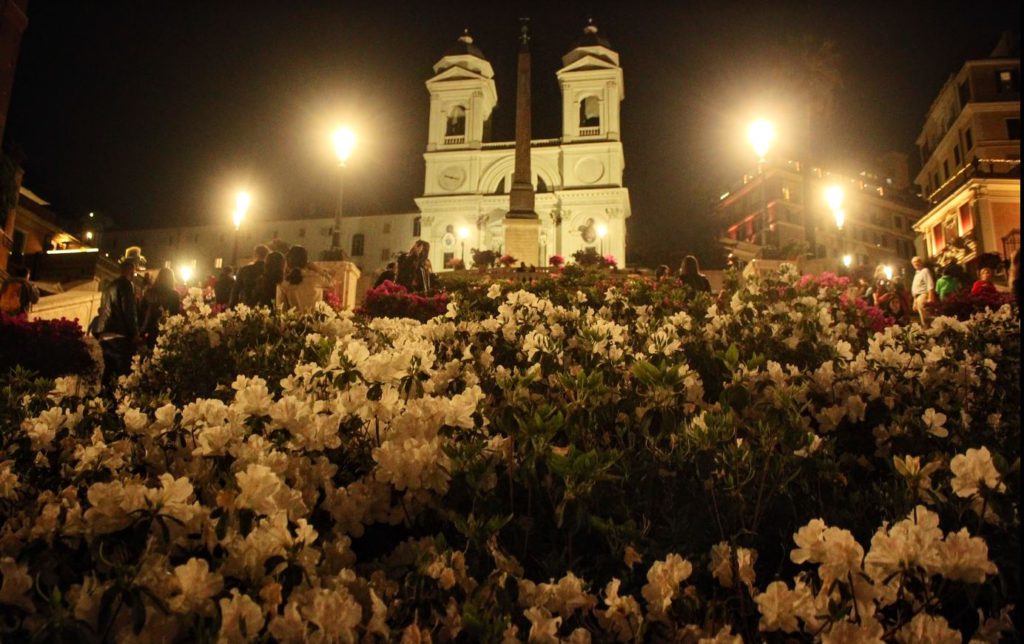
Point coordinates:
[(522, 226)]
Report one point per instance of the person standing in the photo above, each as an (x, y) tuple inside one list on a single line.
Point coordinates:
[(984, 286), (159, 302), (949, 282), (387, 275), (414, 270), (117, 324), (303, 285), (224, 286), (690, 275), (18, 294), (244, 289), (922, 289), (268, 283)]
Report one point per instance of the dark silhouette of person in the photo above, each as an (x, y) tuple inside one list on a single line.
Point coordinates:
[(160, 301), (117, 324), (389, 274), (244, 288), (269, 280), (690, 275), (224, 286)]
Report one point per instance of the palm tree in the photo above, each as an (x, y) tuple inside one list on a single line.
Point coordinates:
[(808, 70)]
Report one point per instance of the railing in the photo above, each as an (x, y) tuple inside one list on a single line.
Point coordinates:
[(454, 140), (590, 131), (979, 168), (534, 143)]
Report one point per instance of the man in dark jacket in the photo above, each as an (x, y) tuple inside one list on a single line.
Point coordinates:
[(117, 324), (248, 276)]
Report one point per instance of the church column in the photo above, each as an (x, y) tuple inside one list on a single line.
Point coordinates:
[(522, 226)]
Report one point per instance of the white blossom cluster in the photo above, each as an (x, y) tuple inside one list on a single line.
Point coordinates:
[(247, 505)]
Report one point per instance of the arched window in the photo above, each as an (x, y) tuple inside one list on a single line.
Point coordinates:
[(357, 245), (500, 190), (456, 122), (590, 112), (541, 186), (417, 226)]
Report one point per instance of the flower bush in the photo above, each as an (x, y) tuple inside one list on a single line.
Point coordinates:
[(395, 301), (483, 258), (582, 461), (49, 348), (556, 261), (507, 260), (587, 257), (455, 263), (963, 304)]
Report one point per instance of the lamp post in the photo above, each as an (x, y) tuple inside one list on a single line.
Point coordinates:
[(761, 135), (463, 235), (185, 272), (602, 232), (242, 201), (344, 142), (834, 198)]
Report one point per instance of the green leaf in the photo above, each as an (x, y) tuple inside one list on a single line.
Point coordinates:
[(107, 605), (138, 611)]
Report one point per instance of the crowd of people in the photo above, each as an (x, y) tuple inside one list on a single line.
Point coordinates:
[(132, 305), (891, 294)]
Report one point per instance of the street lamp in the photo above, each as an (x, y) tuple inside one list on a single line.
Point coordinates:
[(761, 135), (242, 201), (344, 142), (185, 271), (847, 260), (834, 198), (463, 236), (602, 232)]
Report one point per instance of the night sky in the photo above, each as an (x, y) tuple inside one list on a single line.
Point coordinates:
[(154, 113)]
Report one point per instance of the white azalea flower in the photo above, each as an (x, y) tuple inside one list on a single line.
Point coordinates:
[(934, 422), (241, 618), (197, 587), (973, 471)]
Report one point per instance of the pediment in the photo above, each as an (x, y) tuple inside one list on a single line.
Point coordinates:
[(588, 62), (457, 73)]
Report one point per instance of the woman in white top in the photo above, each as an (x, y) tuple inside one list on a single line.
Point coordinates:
[(303, 285)]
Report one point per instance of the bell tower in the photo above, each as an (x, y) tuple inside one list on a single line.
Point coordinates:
[(591, 84), (462, 97)]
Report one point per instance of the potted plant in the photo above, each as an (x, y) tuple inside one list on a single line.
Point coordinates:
[(484, 258)]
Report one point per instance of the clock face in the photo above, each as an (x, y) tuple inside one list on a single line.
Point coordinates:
[(452, 177)]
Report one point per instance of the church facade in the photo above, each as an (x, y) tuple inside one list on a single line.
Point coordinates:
[(578, 177)]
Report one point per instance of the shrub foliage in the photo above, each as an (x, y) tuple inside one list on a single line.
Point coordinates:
[(567, 459)]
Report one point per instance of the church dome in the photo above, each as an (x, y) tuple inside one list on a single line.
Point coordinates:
[(591, 38), (464, 46), (591, 43)]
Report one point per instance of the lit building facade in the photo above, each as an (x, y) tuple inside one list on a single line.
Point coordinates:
[(578, 177), (369, 241), (970, 162), (778, 212)]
